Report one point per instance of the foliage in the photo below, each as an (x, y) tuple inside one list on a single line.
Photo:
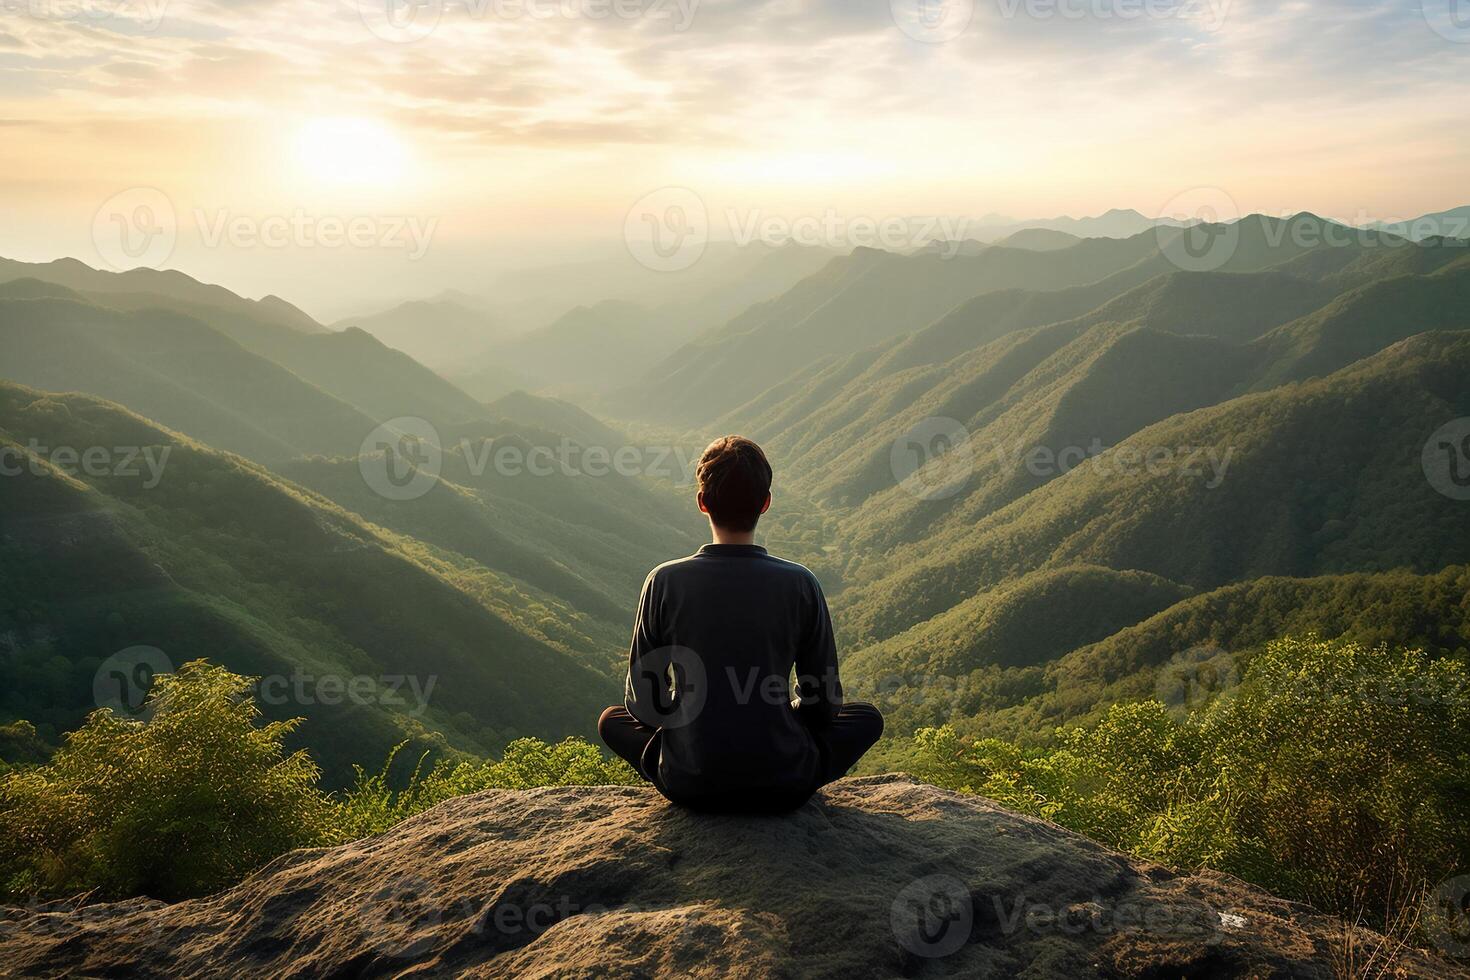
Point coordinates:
[(21, 745), (1319, 481), (373, 804), (272, 580), (183, 803), (200, 791), (1333, 774), (1427, 612)]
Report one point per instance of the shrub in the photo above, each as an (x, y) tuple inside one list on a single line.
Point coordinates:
[(20, 745), (1336, 773), (177, 805), (373, 805), (1345, 769), (199, 793)]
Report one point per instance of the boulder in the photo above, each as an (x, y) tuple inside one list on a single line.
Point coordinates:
[(876, 876)]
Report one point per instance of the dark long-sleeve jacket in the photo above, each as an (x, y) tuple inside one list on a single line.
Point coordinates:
[(714, 645)]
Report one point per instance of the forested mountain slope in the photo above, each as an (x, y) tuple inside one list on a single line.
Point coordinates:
[(1322, 477), (351, 365), (171, 368), (225, 561)]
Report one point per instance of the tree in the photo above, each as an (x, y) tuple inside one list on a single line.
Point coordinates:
[(179, 804)]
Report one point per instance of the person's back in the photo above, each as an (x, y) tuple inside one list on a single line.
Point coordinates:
[(709, 715)]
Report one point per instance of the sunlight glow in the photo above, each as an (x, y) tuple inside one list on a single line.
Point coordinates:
[(802, 168), (348, 150)]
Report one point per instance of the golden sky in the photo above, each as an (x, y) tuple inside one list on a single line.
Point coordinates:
[(520, 130)]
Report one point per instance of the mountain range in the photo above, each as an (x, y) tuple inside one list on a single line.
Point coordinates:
[(1116, 223), (1031, 475), (1454, 223)]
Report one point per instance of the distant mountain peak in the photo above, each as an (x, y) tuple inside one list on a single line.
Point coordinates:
[(1453, 224), (284, 310), (168, 285), (29, 287), (1113, 223)]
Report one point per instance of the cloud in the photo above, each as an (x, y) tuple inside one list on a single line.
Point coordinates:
[(1171, 90), (552, 67)]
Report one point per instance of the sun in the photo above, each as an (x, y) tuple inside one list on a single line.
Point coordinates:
[(350, 151)]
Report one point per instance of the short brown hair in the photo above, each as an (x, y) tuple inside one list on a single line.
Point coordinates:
[(735, 479)]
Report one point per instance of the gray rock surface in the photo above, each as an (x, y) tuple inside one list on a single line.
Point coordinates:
[(878, 876)]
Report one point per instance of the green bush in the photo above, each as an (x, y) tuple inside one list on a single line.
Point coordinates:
[(21, 745), (1345, 770), (181, 804), (373, 805), (199, 793), (1335, 773)]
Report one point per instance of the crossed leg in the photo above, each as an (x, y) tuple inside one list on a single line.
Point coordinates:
[(854, 730), (626, 736)]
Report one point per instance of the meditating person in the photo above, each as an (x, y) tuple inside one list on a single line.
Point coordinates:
[(709, 715)]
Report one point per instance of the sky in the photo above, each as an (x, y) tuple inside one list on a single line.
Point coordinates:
[(349, 152)]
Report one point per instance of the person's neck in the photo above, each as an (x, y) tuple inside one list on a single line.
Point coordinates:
[(721, 536)]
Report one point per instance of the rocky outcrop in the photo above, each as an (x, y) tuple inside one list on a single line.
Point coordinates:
[(878, 876)]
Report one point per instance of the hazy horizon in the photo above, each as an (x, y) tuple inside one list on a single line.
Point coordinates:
[(1096, 555), (470, 275), (473, 138)]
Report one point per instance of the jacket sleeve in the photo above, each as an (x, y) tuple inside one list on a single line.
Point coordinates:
[(647, 693), (818, 686)]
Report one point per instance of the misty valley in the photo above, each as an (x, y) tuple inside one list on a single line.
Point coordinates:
[(1162, 536)]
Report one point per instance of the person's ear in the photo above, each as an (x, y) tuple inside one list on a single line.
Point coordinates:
[(767, 505), (699, 499)]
